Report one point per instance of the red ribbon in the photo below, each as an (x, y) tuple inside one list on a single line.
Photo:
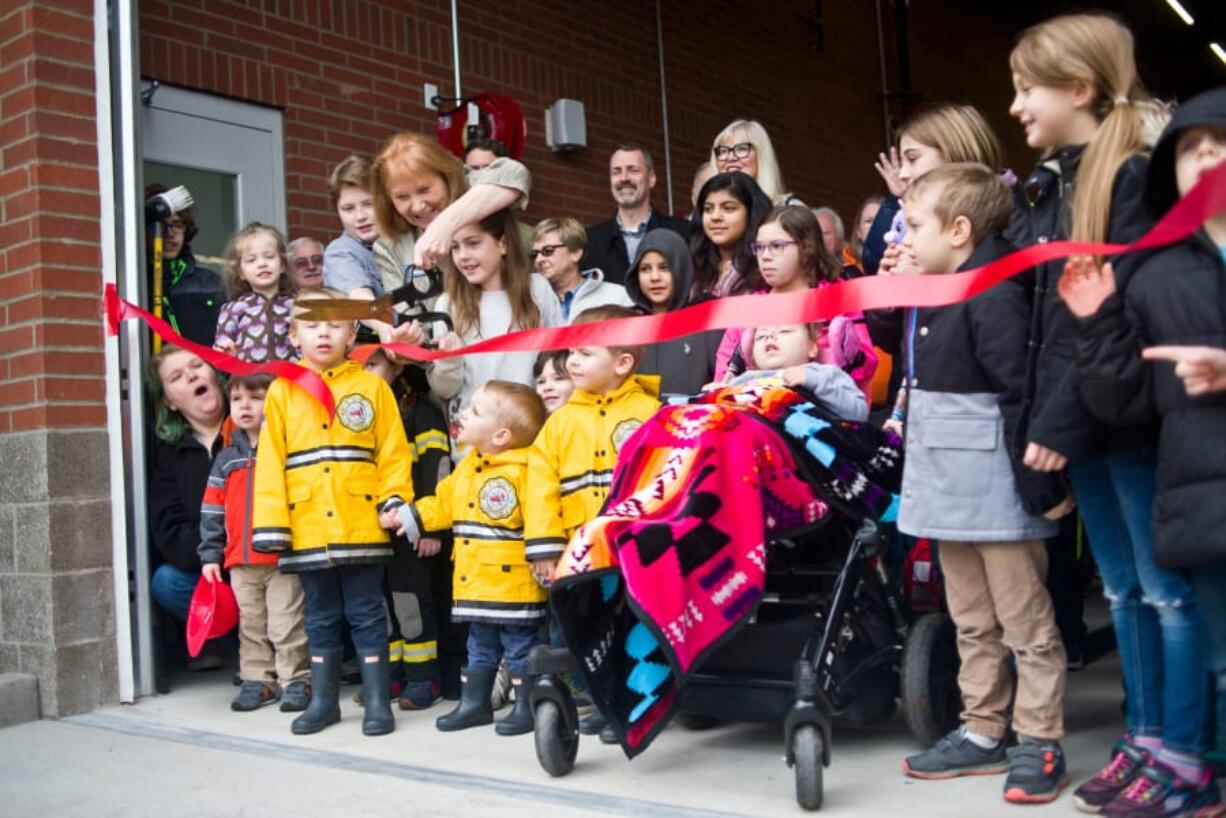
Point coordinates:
[(117, 310), (1205, 200)]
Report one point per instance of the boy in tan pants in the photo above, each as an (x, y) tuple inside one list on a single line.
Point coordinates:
[(272, 643), (965, 486)]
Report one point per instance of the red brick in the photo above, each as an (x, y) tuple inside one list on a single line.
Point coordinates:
[(66, 334), (58, 362), (67, 279), (75, 389), (66, 227), (57, 416), (50, 174), (19, 101), (69, 102), (83, 129), (18, 393), (16, 338), (15, 231), (53, 307), (14, 129), (67, 25), (59, 73)]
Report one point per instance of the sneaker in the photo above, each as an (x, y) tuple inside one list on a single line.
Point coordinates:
[(1116, 777), (253, 696), (295, 697), (1037, 772), (956, 755), (1159, 792), (419, 695)]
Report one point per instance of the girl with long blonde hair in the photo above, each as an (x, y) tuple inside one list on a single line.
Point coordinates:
[(1081, 104)]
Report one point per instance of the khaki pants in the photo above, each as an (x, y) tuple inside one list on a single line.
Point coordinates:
[(1000, 605), (272, 643)]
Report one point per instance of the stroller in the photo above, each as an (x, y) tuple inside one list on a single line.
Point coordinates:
[(830, 639)]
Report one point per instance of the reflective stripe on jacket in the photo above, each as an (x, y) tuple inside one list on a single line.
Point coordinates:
[(320, 481), (570, 465)]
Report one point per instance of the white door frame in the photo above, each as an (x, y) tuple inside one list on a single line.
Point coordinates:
[(122, 238)]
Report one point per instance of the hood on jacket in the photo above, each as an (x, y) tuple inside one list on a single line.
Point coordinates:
[(1208, 108), (680, 262)]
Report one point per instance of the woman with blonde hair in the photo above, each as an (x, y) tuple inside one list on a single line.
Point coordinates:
[(745, 146)]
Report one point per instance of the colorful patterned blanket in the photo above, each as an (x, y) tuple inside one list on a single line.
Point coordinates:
[(677, 561)]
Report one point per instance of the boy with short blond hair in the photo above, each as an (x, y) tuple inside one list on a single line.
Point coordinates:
[(320, 482), (494, 589), (965, 485), (272, 643)]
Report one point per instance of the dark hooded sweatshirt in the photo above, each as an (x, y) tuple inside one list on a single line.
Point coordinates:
[(1176, 296), (687, 364)]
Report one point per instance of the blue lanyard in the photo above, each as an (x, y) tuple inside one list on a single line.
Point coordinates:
[(912, 319)]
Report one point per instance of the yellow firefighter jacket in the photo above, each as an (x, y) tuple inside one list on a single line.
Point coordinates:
[(570, 465), (320, 482), (482, 503)]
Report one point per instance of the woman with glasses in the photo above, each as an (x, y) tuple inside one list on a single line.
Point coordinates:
[(191, 295), (745, 146)]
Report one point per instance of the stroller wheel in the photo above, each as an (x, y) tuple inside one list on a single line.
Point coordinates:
[(931, 701), (807, 760), (556, 747)]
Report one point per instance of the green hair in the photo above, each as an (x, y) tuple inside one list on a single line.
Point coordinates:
[(168, 424)]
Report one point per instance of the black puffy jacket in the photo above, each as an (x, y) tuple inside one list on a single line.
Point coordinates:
[(176, 488), (1176, 296), (1056, 415)]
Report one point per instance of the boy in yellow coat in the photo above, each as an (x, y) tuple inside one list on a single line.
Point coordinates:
[(570, 466), (493, 587), (320, 483)]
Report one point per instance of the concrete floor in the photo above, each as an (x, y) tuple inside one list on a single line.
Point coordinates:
[(187, 754)]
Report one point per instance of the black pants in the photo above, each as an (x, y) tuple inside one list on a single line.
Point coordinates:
[(437, 653)]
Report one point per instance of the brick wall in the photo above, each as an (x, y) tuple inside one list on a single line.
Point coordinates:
[(347, 74), (50, 336), (56, 608)]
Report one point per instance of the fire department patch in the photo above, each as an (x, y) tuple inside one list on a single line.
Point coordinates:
[(355, 412), (497, 498), (622, 431)]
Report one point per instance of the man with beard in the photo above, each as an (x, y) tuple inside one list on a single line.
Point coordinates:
[(612, 243)]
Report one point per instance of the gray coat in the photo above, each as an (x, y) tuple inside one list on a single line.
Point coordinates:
[(966, 375)]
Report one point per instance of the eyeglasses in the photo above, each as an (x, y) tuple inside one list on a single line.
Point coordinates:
[(737, 151), (545, 250), (307, 262), (175, 227), (776, 247)]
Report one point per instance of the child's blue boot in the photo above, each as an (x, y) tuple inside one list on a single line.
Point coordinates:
[(377, 720), (325, 707), (474, 708)]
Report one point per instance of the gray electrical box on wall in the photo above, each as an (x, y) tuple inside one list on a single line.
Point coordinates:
[(565, 126)]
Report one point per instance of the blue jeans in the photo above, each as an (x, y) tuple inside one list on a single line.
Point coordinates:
[(1157, 621), (487, 643), (350, 592), (1210, 583), (172, 589)]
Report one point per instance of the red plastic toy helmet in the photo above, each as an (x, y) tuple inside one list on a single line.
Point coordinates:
[(213, 612), (500, 118)]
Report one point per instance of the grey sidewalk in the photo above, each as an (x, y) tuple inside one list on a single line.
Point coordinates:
[(187, 754)]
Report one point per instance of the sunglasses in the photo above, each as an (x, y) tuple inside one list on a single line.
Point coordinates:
[(545, 250), (307, 262)]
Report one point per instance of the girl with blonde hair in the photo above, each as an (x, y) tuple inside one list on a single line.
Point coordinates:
[(1080, 102)]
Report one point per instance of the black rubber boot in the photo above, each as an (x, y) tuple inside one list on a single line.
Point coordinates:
[(520, 721), (474, 707), (324, 708), (376, 694)]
